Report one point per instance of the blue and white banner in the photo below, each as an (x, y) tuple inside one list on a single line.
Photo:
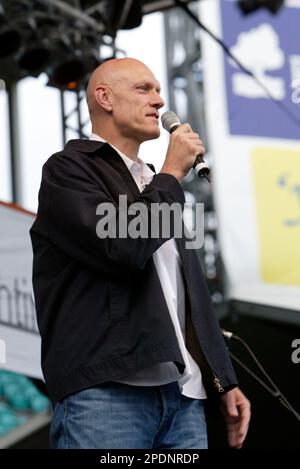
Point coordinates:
[(255, 144)]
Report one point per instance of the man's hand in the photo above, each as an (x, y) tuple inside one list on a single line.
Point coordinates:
[(235, 409), (184, 146)]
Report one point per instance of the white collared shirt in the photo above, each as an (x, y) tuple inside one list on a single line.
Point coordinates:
[(168, 265)]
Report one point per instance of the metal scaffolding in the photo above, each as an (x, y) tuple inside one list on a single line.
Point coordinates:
[(186, 98), (39, 35)]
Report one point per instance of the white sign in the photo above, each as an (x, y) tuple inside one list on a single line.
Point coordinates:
[(19, 337)]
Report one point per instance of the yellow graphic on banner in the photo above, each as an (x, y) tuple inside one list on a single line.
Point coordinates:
[(276, 174)]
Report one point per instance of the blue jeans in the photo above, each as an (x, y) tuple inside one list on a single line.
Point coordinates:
[(119, 416)]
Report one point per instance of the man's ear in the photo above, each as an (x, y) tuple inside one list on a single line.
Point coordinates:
[(103, 97)]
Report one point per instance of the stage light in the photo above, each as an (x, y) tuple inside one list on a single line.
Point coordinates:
[(10, 42), (118, 16), (36, 38), (249, 6), (34, 57), (70, 72), (22, 47)]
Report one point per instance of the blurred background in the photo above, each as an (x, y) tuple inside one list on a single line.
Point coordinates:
[(231, 68)]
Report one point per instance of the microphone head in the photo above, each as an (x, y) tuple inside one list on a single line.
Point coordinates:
[(170, 120)]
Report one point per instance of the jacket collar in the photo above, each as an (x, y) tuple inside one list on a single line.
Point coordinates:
[(110, 155), (86, 146), (91, 146)]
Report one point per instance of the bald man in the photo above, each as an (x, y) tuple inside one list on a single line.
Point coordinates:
[(131, 347)]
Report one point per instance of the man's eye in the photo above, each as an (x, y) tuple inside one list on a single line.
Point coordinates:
[(142, 88)]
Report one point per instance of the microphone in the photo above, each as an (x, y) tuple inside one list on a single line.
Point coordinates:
[(170, 122)]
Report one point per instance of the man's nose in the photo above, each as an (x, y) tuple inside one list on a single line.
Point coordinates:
[(157, 100)]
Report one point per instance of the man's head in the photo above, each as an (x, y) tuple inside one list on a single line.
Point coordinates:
[(123, 99)]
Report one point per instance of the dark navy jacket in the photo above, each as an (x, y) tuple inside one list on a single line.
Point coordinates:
[(100, 307)]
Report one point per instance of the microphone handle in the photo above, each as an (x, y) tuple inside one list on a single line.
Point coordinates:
[(199, 165), (201, 168)]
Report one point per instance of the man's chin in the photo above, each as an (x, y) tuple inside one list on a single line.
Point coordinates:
[(153, 134)]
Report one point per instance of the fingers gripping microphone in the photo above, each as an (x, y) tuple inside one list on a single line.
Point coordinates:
[(170, 122)]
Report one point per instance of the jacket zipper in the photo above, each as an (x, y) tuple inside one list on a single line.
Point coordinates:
[(217, 382)]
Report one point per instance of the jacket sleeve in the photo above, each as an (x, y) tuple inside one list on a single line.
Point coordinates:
[(73, 220)]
